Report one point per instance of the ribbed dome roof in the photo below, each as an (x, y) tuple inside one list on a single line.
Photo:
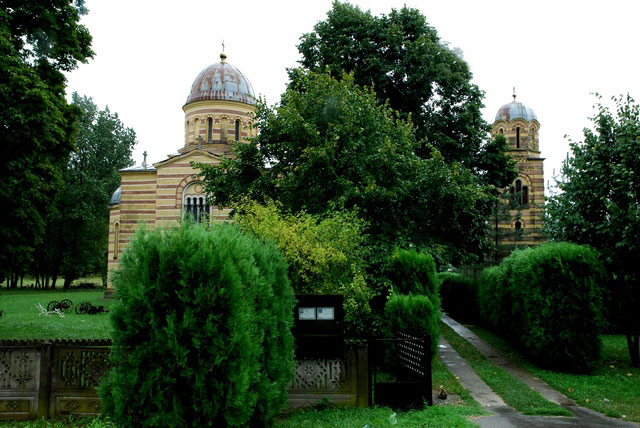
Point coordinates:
[(115, 198), (515, 110), (221, 81)]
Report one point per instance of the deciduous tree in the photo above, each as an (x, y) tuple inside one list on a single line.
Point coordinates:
[(38, 40), (402, 57), (599, 204)]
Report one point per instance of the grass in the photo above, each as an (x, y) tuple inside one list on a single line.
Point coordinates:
[(60, 423), (513, 391), (613, 388), (21, 318), (381, 417)]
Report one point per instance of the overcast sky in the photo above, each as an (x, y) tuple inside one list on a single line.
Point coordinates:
[(556, 54)]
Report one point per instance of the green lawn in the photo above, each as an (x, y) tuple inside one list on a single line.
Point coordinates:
[(513, 391), (21, 318), (613, 388)]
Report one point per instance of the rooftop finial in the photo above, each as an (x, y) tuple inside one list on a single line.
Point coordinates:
[(223, 56), (144, 162), (514, 94)]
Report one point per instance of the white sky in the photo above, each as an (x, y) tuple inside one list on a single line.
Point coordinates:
[(556, 53)]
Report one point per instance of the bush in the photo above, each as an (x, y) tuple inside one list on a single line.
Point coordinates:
[(548, 299), (415, 315), (324, 255), (202, 331), (458, 296), (412, 272), (414, 306)]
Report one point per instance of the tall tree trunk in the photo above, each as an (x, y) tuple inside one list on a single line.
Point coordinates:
[(633, 343), (54, 278), (67, 282)]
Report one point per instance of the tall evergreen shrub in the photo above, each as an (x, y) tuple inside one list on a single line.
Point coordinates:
[(548, 300), (412, 272), (201, 332), (414, 306)]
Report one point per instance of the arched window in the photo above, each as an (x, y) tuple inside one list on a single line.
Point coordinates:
[(519, 193), (209, 130), (194, 203), (518, 226), (116, 240), (518, 137), (501, 131), (237, 129)]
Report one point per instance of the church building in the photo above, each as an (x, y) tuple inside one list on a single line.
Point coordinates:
[(523, 224), (218, 112)]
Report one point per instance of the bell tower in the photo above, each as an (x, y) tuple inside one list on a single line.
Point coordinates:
[(519, 124)]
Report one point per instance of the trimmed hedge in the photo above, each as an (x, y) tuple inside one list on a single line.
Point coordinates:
[(414, 306), (548, 300), (458, 296), (202, 332)]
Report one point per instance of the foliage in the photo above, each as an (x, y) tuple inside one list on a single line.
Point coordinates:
[(403, 59), (418, 310), (417, 315), (548, 299), (324, 254), (330, 147), (599, 205), (77, 230), (202, 335), (38, 40), (412, 272), (458, 296)]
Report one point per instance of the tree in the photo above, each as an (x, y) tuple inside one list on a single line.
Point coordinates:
[(329, 146), (404, 60), (77, 231), (599, 205), (38, 40)]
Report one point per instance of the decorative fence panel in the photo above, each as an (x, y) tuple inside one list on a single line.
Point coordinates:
[(48, 379)]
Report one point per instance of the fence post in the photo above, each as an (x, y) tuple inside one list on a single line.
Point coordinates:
[(364, 386), (44, 382)]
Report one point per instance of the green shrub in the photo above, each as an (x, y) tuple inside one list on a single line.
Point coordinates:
[(414, 306), (548, 299), (324, 255), (415, 315), (458, 296), (201, 332), (412, 272)]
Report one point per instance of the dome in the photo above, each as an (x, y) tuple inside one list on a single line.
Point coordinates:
[(221, 81), (115, 198), (515, 110)]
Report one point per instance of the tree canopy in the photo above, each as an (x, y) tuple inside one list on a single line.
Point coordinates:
[(407, 64), (599, 204), (330, 146), (38, 40), (77, 230)]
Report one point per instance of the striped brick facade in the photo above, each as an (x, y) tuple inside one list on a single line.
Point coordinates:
[(155, 195), (522, 136)]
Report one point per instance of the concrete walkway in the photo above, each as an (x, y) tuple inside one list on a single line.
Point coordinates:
[(505, 416)]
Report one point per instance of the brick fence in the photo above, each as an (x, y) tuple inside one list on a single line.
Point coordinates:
[(54, 378)]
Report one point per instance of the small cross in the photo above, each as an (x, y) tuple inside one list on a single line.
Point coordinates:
[(145, 157), (222, 45)]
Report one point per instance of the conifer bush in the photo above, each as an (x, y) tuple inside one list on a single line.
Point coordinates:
[(202, 331), (414, 306), (548, 300)]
